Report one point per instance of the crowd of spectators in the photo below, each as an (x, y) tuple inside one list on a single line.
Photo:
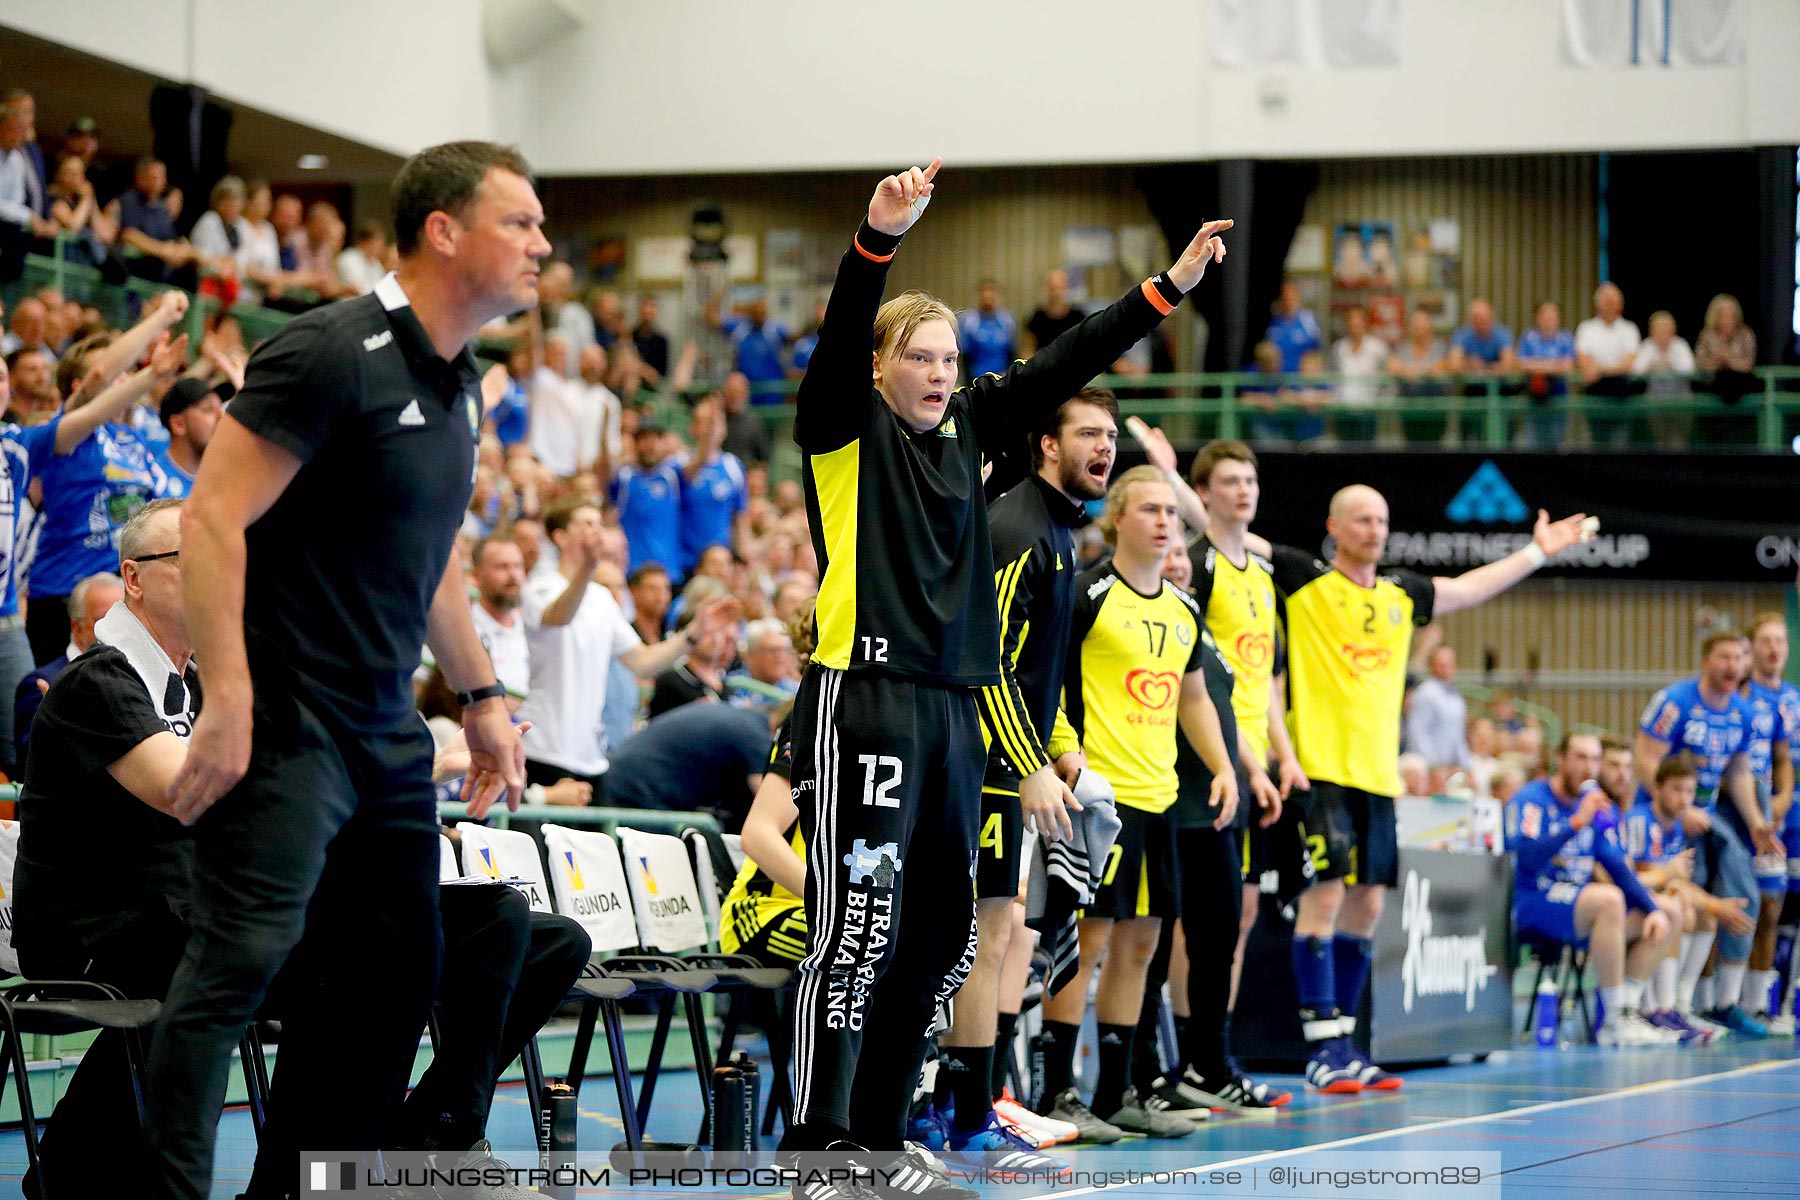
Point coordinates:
[(1625, 374)]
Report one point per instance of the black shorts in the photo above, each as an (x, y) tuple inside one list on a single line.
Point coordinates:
[(1001, 838), (1141, 878), (1349, 835), (1276, 861)]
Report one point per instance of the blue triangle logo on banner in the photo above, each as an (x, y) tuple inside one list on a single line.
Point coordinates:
[(1487, 499)]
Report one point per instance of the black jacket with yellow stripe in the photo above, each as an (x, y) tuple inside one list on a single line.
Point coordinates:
[(1034, 579), (897, 517)]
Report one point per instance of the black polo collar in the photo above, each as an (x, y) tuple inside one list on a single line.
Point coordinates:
[(1062, 509), (415, 344)]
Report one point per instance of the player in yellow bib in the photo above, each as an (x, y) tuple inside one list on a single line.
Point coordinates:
[(1136, 677), (1349, 633)]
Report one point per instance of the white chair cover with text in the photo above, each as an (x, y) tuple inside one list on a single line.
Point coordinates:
[(447, 868), (663, 891), (505, 854), (9, 855), (590, 888)]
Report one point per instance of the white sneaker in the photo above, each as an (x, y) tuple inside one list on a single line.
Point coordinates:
[(1782, 1026), (1629, 1029), (1041, 1131)]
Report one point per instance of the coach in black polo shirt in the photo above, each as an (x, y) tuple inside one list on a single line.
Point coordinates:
[(317, 550)]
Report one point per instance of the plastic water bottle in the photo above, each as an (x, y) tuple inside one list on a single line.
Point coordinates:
[(1546, 1014)]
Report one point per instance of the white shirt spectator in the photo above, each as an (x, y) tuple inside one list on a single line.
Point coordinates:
[(1435, 724), (605, 408), (259, 249), (209, 236), (359, 270), (568, 688), (507, 647), (565, 422), (1364, 368), (1611, 345), (1668, 369), (575, 325), (18, 188)]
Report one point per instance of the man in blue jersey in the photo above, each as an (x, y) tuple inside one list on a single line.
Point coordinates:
[(715, 494), (647, 494), (1708, 722), (1656, 844), (988, 334), (190, 411), (1559, 829), (1775, 715)]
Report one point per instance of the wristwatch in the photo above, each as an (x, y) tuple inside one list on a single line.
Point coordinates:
[(492, 691)]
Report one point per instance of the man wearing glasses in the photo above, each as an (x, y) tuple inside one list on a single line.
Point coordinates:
[(101, 867)]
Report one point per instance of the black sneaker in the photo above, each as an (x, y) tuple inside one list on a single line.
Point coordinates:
[(1171, 1098), (1234, 1093), (860, 1186)]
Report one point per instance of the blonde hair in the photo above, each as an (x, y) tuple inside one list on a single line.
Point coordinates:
[(1119, 495), (1718, 304), (1765, 618), (900, 318)]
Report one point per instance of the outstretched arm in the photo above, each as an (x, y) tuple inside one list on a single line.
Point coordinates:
[(832, 403), (1009, 405), (1548, 539), (1156, 447)]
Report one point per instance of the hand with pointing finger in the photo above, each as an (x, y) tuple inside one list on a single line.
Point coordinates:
[(899, 199), (1206, 247)]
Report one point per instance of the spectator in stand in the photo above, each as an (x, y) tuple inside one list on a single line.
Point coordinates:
[(101, 472), (362, 265), (1415, 775), (1359, 359), (147, 227), (714, 494), (602, 411), (318, 254), (572, 624), (22, 190), (987, 334), (1547, 356), (769, 654), (651, 596), (26, 103), (746, 434), (1420, 359), (32, 398), (1528, 749), (1055, 314), (698, 675), (1606, 347), (1483, 747), (219, 237), (78, 215), (82, 139), (791, 595), (30, 330), (1285, 413), (1511, 775), (651, 342), (1665, 363), (190, 411), (1437, 718), (258, 253), (499, 578), (647, 494), (1726, 351), (287, 219), (563, 314), (806, 343), (92, 599), (565, 423), (758, 342), (609, 318), (1293, 328), (694, 758), (1482, 347)]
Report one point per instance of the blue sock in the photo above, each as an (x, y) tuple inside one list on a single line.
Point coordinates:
[(1350, 956), (1314, 979)]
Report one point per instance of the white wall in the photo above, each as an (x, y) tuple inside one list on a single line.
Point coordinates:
[(394, 75), (654, 86)]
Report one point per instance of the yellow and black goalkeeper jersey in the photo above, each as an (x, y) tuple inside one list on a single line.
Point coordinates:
[(1347, 647), (897, 517), (1239, 603), (1034, 560), (1122, 688), (755, 899)]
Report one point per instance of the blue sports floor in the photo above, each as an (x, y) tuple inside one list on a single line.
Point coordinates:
[(1715, 1121)]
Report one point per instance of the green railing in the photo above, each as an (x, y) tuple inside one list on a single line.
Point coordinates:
[(1485, 412), (607, 820)]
